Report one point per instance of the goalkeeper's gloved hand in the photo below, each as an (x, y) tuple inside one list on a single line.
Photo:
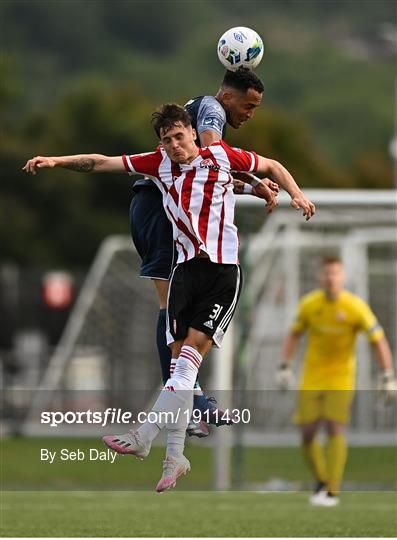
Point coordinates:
[(387, 386), (285, 379)]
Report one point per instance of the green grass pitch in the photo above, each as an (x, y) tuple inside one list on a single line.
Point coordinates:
[(184, 514), (82, 499)]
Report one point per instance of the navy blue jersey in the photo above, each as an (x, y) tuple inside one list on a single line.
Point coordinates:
[(207, 114)]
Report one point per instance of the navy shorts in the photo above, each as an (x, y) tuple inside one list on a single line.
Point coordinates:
[(151, 233)]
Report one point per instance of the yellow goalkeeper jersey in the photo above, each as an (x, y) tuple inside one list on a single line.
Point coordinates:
[(332, 327)]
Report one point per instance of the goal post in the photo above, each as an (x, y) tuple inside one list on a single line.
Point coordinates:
[(109, 343)]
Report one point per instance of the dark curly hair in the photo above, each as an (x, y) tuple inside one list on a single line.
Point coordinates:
[(243, 79), (168, 115)]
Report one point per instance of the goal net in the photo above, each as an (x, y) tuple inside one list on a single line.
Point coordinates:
[(282, 260), (107, 355)]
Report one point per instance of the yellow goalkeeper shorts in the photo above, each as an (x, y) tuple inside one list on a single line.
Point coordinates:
[(315, 405)]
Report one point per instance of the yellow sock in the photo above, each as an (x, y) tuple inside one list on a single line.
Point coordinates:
[(336, 459), (314, 455)]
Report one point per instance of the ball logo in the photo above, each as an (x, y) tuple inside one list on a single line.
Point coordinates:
[(234, 57), (230, 55), (224, 50), (238, 37), (254, 51)]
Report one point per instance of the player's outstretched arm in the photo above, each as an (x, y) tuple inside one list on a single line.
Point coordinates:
[(79, 163), (284, 179)]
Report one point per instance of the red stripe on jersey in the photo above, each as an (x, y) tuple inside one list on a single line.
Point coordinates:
[(240, 160), (180, 225), (125, 162), (207, 196), (147, 163), (220, 236), (174, 194), (175, 172), (191, 236), (163, 184), (187, 190), (185, 254)]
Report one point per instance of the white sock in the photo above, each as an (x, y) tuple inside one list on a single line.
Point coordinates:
[(148, 432), (174, 404), (186, 369), (175, 442), (182, 381)]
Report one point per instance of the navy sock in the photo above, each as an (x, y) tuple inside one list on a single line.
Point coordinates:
[(200, 403), (162, 347)]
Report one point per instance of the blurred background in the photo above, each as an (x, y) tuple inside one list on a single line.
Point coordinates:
[(77, 324)]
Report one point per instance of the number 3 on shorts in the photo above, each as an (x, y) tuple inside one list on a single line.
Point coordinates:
[(216, 312)]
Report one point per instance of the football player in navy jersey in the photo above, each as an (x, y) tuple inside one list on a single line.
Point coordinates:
[(235, 103)]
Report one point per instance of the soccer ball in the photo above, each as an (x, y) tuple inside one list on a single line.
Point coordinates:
[(240, 46)]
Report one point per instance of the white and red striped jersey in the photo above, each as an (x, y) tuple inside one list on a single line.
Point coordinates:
[(198, 197)]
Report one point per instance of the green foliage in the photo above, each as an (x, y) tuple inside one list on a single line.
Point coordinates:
[(84, 77)]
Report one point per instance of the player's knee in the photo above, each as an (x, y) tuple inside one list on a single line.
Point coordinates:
[(308, 433), (333, 428), (176, 348), (307, 437), (198, 340)]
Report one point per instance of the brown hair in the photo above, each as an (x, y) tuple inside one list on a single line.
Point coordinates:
[(331, 259), (168, 115)]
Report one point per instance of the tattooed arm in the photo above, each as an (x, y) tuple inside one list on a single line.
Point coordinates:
[(78, 163)]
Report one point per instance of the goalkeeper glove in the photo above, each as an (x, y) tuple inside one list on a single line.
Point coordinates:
[(285, 379), (387, 386)]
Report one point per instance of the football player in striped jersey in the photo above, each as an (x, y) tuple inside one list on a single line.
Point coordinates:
[(235, 103), (197, 193)]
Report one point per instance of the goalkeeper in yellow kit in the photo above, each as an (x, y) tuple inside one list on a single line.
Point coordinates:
[(332, 317)]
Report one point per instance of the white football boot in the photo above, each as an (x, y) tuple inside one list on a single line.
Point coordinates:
[(172, 469), (129, 443), (322, 498)]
